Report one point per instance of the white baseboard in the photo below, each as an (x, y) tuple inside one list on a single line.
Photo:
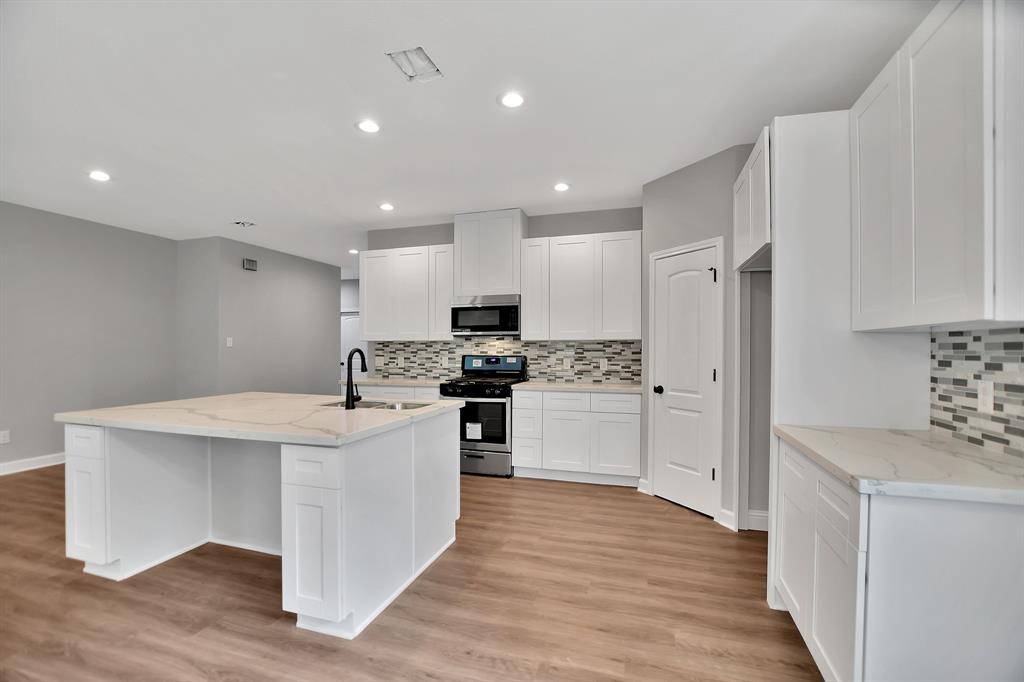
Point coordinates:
[(727, 518), (757, 519), (243, 545), (29, 463), (644, 486), (576, 477)]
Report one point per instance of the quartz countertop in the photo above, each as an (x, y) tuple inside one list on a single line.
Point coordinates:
[(396, 381), (296, 419), (910, 463), (541, 385)]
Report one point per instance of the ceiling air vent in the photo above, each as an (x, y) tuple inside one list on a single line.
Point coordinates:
[(249, 264), (416, 65)]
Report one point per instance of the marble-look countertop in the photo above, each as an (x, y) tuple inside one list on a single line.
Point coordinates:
[(396, 381), (275, 417), (541, 385), (910, 463)]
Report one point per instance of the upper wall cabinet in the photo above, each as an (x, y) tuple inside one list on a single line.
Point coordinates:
[(441, 276), (581, 287), (487, 252), (405, 294), (938, 174), (751, 214), (534, 312)]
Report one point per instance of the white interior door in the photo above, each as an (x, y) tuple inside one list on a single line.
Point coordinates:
[(350, 338), (686, 403)]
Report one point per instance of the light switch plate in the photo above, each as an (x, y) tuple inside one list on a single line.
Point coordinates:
[(5, 437), (401, 361), (229, 342), (603, 364), (566, 363), (444, 359), (986, 397)]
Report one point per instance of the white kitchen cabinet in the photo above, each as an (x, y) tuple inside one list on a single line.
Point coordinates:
[(796, 533), (400, 291), (836, 594), (427, 392), (527, 423), (86, 508), (527, 452), (440, 287), (375, 287), (617, 285), (752, 230), (534, 303), (387, 392), (934, 136), (566, 440), (311, 551), (614, 440), (487, 252), (572, 291)]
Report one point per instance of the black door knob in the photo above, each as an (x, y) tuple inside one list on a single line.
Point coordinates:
[(659, 389)]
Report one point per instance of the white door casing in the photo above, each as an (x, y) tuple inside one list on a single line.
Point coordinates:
[(685, 417)]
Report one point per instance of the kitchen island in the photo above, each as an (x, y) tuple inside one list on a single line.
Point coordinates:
[(356, 502)]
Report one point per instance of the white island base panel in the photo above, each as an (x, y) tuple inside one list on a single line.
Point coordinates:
[(354, 525)]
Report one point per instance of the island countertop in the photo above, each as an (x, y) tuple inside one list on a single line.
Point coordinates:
[(296, 419), (910, 463)]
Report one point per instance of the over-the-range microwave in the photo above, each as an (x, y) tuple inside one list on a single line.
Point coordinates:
[(496, 315)]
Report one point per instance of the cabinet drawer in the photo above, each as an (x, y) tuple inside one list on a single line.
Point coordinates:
[(622, 403), (572, 402), (388, 392), (83, 441), (839, 506), (311, 466), (527, 423), (530, 400), (427, 393), (527, 452)]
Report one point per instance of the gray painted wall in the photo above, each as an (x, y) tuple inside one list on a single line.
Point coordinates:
[(554, 225), (93, 316), (691, 205), (420, 235), (283, 319), (87, 319), (760, 316)]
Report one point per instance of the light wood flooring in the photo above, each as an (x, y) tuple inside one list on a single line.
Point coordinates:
[(547, 581)]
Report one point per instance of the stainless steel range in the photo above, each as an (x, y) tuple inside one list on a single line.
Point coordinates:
[(486, 420)]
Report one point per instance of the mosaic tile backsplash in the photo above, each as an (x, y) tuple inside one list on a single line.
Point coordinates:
[(545, 359), (959, 361)]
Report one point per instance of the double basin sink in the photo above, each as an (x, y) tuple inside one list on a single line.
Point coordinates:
[(379, 405)]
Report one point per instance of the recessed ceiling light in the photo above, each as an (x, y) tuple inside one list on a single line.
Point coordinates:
[(512, 99), (368, 125), (353, 251), (387, 207), (99, 176), (561, 187)]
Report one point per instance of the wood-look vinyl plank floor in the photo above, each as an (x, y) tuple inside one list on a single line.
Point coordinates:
[(547, 581)]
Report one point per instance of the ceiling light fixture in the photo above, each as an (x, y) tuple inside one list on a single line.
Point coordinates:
[(416, 65), (368, 125), (512, 99), (243, 223), (353, 251), (561, 187), (387, 207), (99, 176)]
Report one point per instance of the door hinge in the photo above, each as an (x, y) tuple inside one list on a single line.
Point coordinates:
[(712, 473), (714, 274), (714, 375)]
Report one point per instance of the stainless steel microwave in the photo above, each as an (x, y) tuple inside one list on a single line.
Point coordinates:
[(485, 315)]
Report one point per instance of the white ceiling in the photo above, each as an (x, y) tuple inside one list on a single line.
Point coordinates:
[(210, 112)]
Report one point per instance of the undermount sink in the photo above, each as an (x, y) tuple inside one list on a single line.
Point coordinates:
[(379, 405)]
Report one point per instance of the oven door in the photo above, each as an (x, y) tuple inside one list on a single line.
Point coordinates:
[(486, 424), (485, 320)]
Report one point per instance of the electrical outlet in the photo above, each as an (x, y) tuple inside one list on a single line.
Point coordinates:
[(603, 363), (5, 437), (567, 363), (229, 342), (445, 359), (986, 397), (401, 361)]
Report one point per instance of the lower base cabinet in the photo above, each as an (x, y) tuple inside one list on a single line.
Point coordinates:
[(311, 551), (580, 436)]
